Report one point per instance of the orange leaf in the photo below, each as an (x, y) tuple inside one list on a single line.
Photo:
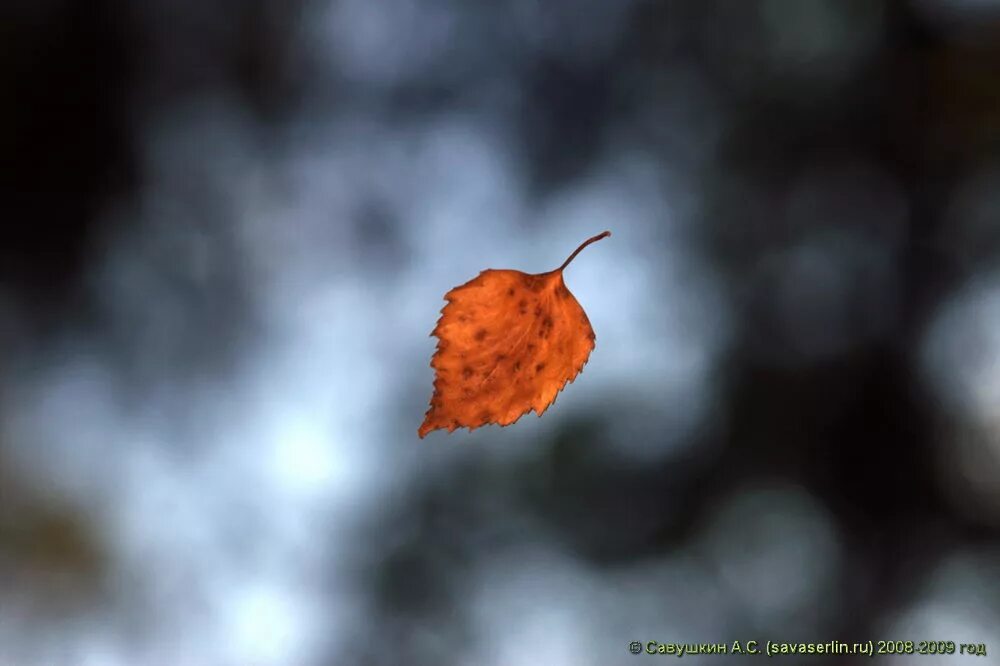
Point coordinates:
[(508, 343)]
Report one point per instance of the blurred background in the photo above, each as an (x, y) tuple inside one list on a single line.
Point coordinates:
[(227, 230)]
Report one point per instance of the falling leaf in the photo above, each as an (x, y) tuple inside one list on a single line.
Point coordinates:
[(508, 343)]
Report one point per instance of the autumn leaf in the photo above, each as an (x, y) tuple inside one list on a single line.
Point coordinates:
[(508, 343)]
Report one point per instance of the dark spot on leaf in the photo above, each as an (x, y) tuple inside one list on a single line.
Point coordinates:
[(485, 415), (480, 335), (547, 322), (539, 367), (501, 357), (538, 310), (510, 291), (517, 366), (466, 372), (530, 346)]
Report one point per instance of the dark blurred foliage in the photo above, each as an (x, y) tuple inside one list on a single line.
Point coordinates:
[(825, 205)]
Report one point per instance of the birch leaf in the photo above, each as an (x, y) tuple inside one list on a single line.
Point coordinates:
[(508, 343)]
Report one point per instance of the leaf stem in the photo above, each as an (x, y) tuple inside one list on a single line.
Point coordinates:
[(603, 234)]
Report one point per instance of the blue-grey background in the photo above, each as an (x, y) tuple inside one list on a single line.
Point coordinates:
[(226, 230)]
